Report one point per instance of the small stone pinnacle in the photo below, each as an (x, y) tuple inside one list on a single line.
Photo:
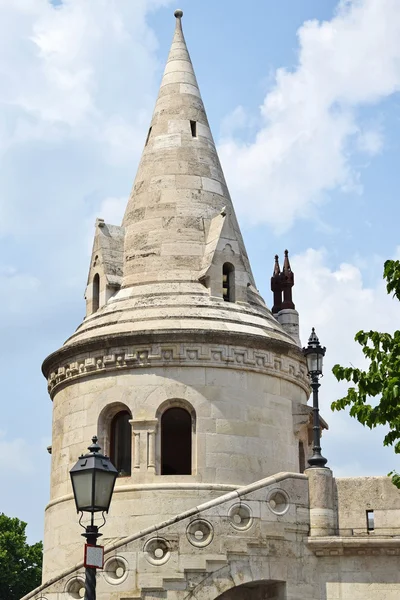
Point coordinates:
[(178, 13)]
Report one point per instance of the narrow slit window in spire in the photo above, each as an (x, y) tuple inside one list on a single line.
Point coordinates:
[(228, 282), (193, 127), (96, 293), (148, 136)]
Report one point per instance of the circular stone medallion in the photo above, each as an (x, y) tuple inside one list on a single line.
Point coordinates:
[(157, 551), (278, 502), (115, 570), (200, 533), (75, 588), (240, 517)]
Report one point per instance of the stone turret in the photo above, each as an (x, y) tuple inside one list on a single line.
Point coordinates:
[(198, 393), (184, 374), (283, 308)]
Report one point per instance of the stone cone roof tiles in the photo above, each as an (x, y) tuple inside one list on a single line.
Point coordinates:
[(179, 215)]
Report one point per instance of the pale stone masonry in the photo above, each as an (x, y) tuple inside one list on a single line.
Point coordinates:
[(176, 326)]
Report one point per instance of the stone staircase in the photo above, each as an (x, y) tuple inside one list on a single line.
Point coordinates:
[(194, 570), (222, 540)]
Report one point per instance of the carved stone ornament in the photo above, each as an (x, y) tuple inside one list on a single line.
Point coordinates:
[(157, 551), (163, 355), (240, 517), (200, 533)]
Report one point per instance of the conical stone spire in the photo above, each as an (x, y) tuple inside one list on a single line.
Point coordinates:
[(179, 186), (181, 235)]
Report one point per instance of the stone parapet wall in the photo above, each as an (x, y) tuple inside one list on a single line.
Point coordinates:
[(357, 495)]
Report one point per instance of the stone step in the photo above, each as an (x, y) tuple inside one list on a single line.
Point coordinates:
[(201, 563)]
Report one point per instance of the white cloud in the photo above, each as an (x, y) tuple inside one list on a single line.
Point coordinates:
[(238, 119), (78, 86), (74, 67), (337, 303), (370, 141), (310, 119)]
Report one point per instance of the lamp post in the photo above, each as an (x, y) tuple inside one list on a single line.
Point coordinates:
[(314, 354), (93, 479)]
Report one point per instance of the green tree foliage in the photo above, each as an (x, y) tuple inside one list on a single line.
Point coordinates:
[(20, 563), (382, 379)]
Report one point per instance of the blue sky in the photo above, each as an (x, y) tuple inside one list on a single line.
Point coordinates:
[(303, 100)]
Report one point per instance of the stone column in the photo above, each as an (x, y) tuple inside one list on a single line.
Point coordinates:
[(321, 500), (136, 456), (289, 319), (151, 451), (144, 434)]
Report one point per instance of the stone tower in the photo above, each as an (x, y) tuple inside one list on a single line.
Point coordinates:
[(199, 395), (191, 384)]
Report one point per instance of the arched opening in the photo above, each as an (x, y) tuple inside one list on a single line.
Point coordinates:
[(228, 282), (273, 590), (96, 293), (120, 443), (176, 442)]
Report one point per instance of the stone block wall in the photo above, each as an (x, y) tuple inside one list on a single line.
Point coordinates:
[(243, 431)]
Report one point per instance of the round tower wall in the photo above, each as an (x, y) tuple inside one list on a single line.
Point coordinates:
[(242, 431)]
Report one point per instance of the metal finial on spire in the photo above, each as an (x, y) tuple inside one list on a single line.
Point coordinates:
[(277, 268), (178, 13), (286, 263)]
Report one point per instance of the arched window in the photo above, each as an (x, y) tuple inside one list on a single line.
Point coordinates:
[(96, 293), (120, 443), (228, 282), (176, 442)]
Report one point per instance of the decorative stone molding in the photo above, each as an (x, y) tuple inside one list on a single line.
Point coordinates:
[(153, 487), (157, 551), (116, 570), (240, 517), (179, 354), (200, 533), (354, 546), (75, 588), (278, 502)]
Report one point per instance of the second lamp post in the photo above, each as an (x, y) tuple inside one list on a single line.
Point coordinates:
[(314, 354)]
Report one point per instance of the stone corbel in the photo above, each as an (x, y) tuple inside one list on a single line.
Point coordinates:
[(144, 444)]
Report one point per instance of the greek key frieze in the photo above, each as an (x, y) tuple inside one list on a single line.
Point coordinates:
[(179, 354)]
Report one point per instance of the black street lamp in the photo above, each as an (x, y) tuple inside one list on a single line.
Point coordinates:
[(314, 354), (93, 479)]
